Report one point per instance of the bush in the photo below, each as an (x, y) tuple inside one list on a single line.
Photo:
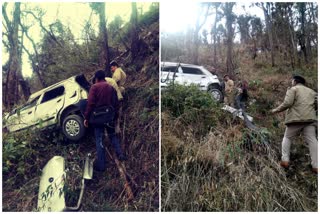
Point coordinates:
[(191, 107), (211, 162)]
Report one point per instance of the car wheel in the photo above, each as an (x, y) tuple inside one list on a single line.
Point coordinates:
[(73, 127), (216, 94)]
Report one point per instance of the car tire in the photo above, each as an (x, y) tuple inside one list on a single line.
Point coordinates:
[(216, 94), (73, 127)]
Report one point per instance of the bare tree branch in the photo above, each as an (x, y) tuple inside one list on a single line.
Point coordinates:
[(43, 27), (205, 17), (35, 67), (121, 39), (5, 43), (5, 16), (5, 27), (25, 31)]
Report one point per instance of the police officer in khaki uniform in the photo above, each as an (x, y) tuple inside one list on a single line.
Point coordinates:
[(229, 90), (119, 76), (300, 118)]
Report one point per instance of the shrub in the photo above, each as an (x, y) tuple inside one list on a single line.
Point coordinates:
[(191, 107)]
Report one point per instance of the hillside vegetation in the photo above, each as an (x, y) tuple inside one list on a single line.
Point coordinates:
[(26, 153), (212, 162)]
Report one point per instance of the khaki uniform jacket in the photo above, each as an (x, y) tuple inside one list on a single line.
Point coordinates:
[(113, 83), (120, 77), (229, 86), (300, 105)]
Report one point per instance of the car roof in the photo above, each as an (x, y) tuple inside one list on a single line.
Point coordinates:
[(38, 93), (187, 65), (176, 63)]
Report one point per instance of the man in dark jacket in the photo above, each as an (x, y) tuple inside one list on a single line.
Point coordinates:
[(102, 94), (241, 95)]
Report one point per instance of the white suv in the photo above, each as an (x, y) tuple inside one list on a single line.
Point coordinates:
[(191, 74), (60, 105)]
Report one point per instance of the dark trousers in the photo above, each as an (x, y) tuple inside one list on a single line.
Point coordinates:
[(101, 152), (238, 103)]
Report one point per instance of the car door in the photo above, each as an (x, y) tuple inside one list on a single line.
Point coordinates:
[(51, 103), (170, 73), (23, 117), (192, 75)]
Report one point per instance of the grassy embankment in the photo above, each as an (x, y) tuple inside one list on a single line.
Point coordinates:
[(26, 153), (212, 162)]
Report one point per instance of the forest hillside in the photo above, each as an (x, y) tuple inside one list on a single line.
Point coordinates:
[(59, 55), (210, 160)]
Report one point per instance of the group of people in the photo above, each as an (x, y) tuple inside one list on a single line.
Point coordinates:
[(300, 103), (235, 95), (106, 91)]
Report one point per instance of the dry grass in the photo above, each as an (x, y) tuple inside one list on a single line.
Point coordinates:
[(221, 173), (140, 140), (229, 168)]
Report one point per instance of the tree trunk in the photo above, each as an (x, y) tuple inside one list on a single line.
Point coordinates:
[(35, 67), (196, 42), (14, 59), (215, 38), (134, 31), (25, 88), (104, 35), (309, 47), (291, 41), (266, 11), (219, 49), (314, 20), (189, 42), (302, 39), (229, 20)]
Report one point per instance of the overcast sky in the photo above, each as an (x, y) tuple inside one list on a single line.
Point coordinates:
[(176, 17), (73, 15)]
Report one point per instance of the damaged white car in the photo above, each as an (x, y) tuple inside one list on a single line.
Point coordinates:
[(191, 74), (60, 105)]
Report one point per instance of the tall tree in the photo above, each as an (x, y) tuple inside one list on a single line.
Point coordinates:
[(134, 31), (115, 32), (198, 26), (100, 8), (243, 23), (313, 23), (214, 31), (285, 31), (302, 32), (230, 17), (34, 58), (14, 76), (256, 34), (221, 33), (266, 7)]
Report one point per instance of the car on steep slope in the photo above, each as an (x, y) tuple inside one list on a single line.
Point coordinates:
[(60, 105)]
